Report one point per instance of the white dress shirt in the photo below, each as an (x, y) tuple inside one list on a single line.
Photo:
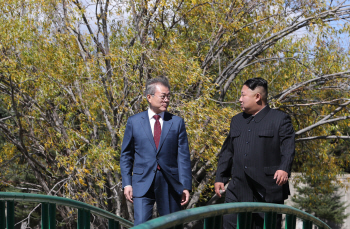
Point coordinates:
[(152, 120)]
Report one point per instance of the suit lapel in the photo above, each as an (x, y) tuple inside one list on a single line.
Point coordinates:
[(147, 128), (168, 122)]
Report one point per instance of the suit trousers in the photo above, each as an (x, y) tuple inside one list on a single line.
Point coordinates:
[(168, 201), (230, 220)]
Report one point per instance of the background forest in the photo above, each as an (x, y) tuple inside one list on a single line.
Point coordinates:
[(73, 71)]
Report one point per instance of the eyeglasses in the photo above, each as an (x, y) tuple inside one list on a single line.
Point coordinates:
[(162, 97)]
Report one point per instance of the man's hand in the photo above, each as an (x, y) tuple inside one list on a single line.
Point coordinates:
[(185, 197), (128, 193), (281, 176), (219, 188)]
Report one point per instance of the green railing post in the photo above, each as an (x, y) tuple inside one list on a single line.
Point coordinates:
[(213, 222), (81, 219), (52, 216), (45, 216), (10, 214), (209, 223), (290, 221), (307, 224), (2, 215), (87, 219), (180, 226), (270, 220), (244, 220), (48, 216), (112, 224)]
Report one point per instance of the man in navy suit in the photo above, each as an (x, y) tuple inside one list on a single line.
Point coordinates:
[(155, 160), (257, 154)]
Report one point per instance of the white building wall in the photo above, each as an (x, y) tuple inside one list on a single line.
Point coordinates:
[(345, 179)]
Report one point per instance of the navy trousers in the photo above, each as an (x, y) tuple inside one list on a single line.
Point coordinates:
[(168, 201)]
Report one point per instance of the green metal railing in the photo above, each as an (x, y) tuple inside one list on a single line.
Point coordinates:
[(212, 216), (48, 211)]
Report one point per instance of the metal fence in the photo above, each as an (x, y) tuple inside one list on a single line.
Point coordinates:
[(212, 216), (48, 211)]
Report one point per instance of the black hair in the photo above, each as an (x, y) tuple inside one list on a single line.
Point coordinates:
[(257, 82)]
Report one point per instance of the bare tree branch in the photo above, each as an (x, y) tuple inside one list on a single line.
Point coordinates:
[(247, 55), (321, 137), (320, 123), (298, 86)]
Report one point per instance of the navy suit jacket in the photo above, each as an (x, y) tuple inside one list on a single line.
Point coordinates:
[(139, 156)]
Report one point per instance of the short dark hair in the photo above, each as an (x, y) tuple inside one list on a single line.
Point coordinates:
[(151, 84), (257, 82)]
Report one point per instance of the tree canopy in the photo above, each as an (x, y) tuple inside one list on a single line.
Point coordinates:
[(73, 71)]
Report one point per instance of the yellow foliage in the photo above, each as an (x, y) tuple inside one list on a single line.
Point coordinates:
[(74, 92)]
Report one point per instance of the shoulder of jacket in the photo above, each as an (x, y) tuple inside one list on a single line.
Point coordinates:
[(279, 113), (138, 115), (237, 117)]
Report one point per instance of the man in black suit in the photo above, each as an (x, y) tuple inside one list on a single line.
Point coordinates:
[(257, 154)]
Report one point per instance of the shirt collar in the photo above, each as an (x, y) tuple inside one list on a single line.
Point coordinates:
[(151, 114), (258, 116)]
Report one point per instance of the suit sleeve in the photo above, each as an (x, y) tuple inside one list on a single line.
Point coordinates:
[(223, 172), (127, 155), (287, 144), (183, 158)]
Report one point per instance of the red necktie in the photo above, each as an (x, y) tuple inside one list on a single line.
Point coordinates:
[(157, 131)]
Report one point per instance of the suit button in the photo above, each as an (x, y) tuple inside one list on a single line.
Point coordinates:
[(247, 142), (245, 167), (245, 154), (249, 130)]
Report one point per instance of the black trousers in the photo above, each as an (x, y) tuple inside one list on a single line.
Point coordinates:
[(230, 220)]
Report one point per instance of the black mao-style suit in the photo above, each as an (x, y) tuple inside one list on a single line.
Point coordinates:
[(255, 148)]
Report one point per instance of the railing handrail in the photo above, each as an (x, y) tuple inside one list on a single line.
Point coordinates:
[(39, 198), (193, 214)]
